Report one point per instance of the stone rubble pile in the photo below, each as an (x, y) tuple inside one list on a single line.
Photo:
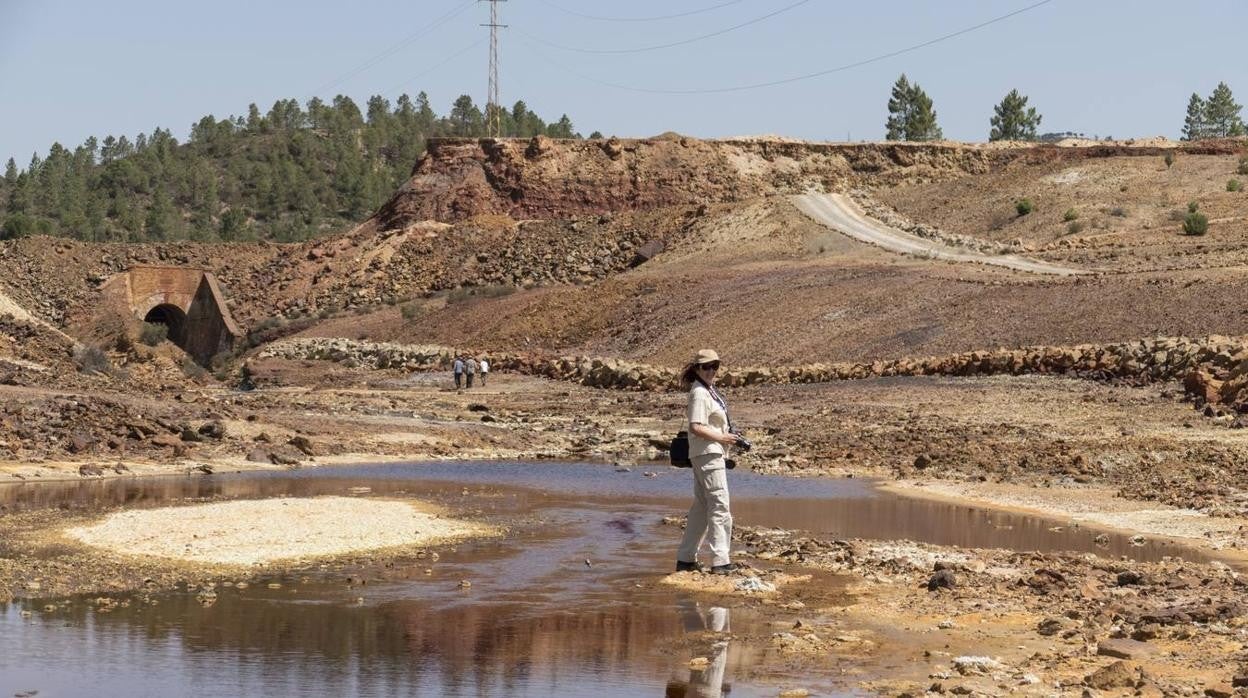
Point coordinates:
[(1214, 369), (893, 219)]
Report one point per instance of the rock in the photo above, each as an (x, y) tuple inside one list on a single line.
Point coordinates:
[(303, 444), (1148, 631), (1123, 648), (922, 461), (190, 435), (90, 470), (1130, 578), (943, 579), (1051, 626), (79, 442), (1120, 674), (258, 455), (167, 441), (213, 430)]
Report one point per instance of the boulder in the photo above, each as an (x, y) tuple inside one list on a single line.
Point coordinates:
[(1120, 674)]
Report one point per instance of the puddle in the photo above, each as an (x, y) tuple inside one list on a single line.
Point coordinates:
[(847, 508), (565, 605)]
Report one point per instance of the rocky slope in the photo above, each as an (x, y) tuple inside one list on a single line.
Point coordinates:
[(543, 178)]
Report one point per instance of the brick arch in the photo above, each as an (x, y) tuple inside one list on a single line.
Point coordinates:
[(188, 300)]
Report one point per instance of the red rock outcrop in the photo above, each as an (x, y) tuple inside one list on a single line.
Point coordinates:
[(544, 178)]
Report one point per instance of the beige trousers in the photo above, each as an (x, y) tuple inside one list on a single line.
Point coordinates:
[(709, 517)]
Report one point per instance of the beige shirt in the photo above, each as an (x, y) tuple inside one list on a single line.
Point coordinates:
[(704, 410)]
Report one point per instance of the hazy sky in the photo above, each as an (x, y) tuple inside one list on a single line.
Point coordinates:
[(71, 69)]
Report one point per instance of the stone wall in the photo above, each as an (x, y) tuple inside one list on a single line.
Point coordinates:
[(1214, 369)]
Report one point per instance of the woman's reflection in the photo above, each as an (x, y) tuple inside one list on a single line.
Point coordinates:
[(706, 679)]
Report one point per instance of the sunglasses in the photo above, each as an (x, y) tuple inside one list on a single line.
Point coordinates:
[(712, 366)]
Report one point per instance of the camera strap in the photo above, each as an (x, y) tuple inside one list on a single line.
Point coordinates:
[(719, 400)]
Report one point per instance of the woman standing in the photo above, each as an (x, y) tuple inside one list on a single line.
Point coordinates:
[(710, 436)]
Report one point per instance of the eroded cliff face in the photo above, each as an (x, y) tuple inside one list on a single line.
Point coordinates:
[(544, 178)]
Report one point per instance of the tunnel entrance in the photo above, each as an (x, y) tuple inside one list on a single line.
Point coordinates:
[(172, 317), (188, 301)]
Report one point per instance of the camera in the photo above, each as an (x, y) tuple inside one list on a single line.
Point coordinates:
[(743, 443)]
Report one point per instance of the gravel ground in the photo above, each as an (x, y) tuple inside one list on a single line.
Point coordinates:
[(263, 531)]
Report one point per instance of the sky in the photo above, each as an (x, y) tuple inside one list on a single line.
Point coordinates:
[(1121, 68)]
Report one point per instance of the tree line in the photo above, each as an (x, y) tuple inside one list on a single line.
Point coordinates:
[(290, 174), (912, 117)]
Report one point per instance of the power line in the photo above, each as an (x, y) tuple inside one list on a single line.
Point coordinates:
[(439, 64), (797, 78), (756, 20), (397, 47), (599, 18)]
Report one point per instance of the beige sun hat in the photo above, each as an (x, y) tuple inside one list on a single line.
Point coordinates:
[(705, 356)]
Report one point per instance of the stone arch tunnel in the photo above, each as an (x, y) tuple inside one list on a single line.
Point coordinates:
[(186, 300)]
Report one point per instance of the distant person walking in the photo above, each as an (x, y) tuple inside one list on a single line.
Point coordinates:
[(484, 367), (710, 437), (470, 370), (458, 369)]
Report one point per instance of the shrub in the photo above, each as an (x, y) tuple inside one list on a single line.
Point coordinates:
[(192, 370), (464, 293), (1195, 224), (268, 323), (91, 359), (1192, 206), (1070, 215), (1243, 166), (411, 311), (1119, 212), (1074, 228), (1024, 207), (1169, 159), (1234, 185), (153, 333), (221, 360)]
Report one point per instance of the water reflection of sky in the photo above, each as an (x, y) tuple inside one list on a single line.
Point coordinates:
[(836, 507), (537, 620)]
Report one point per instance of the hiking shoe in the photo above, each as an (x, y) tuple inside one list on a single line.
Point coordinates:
[(724, 569), (682, 566)]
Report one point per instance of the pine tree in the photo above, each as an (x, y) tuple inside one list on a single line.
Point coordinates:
[(1222, 114), (10, 185), (910, 114), (898, 110), (108, 150), (1012, 120), (921, 124), (255, 122), (561, 129), (465, 118), (1194, 125), (162, 218)]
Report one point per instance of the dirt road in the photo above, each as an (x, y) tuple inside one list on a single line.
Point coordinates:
[(837, 212)]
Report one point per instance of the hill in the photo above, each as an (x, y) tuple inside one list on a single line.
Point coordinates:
[(292, 174)]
